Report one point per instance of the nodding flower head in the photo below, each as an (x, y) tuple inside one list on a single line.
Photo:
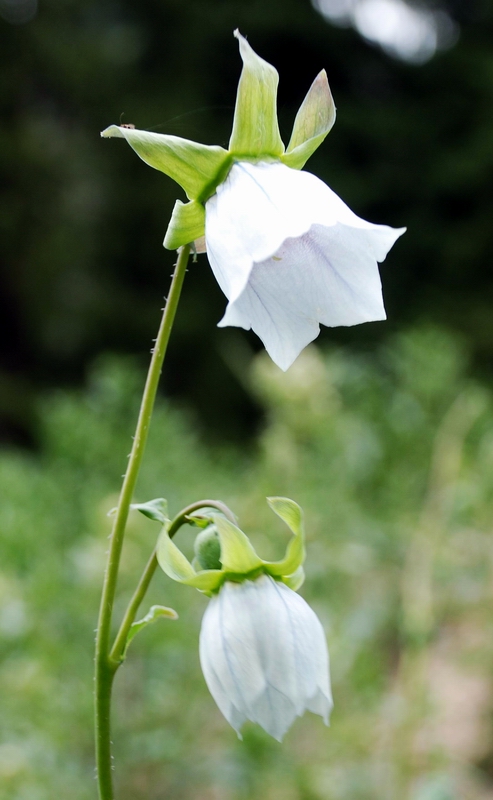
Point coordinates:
[(262, 649), (286, 251)]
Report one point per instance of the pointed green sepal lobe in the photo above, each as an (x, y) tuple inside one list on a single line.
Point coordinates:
[(155, 613), (237, 553), (154, 509), (198, 168), (292, 515), (314, 120), (295, 580), (187, 223), (178, 567), (171, 559), (255, 126), (235, 559)]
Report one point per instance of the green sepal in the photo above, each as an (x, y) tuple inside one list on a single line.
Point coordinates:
[(255, 127), (172, 560), (237, 553), (154, 613), (178, 567), (295, 580), (314, 120), (238, 558), (292, 515), (198, 168), (187, 223), (154, 509)]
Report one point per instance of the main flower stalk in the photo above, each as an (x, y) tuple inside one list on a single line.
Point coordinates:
[(106, 665)]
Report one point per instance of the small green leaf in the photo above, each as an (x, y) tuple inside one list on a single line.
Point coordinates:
[(237, 553), (198, 168), (154, 509), (292, 515), (155, 612), (187, 223), (255, 126), (314, 120)]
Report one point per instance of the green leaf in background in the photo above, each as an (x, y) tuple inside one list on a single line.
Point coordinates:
[(154, 509)]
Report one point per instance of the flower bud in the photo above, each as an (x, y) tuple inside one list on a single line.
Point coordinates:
[(207, 548)]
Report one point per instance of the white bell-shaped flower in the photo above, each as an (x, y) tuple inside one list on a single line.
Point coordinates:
[(264, 655), (289, 254), (285, 249)]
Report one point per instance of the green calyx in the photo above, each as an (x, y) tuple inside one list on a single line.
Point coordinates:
[(200, 168), (255, 127), (235, 556), (314, 120)]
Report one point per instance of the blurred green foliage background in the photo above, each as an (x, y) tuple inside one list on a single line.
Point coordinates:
[(383, 433), (391, 457)]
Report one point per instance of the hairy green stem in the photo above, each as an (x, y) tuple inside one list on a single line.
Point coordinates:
[(106, 666), (139, 594)]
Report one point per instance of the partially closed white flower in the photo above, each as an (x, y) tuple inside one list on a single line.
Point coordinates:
[(264, 655), (262, 648), (289, 255)]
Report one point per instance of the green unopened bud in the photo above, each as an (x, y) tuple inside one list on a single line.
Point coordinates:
[(208, 548)]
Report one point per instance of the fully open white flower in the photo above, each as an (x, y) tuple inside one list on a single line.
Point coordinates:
[(289, 254), (285, 249), (264, 655)]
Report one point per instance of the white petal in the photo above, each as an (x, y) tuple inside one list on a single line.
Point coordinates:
[(329, 275), (226, 638), (289, 254), (264, 655), (248, 218)]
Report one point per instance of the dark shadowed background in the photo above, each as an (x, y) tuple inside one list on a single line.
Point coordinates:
[(82, 220)]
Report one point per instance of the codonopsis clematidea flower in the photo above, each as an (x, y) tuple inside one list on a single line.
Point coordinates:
[(285, 249), (262, 648), (300, 257), (264, 655)]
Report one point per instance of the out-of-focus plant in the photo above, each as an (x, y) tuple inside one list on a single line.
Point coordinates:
[(393, 456)]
